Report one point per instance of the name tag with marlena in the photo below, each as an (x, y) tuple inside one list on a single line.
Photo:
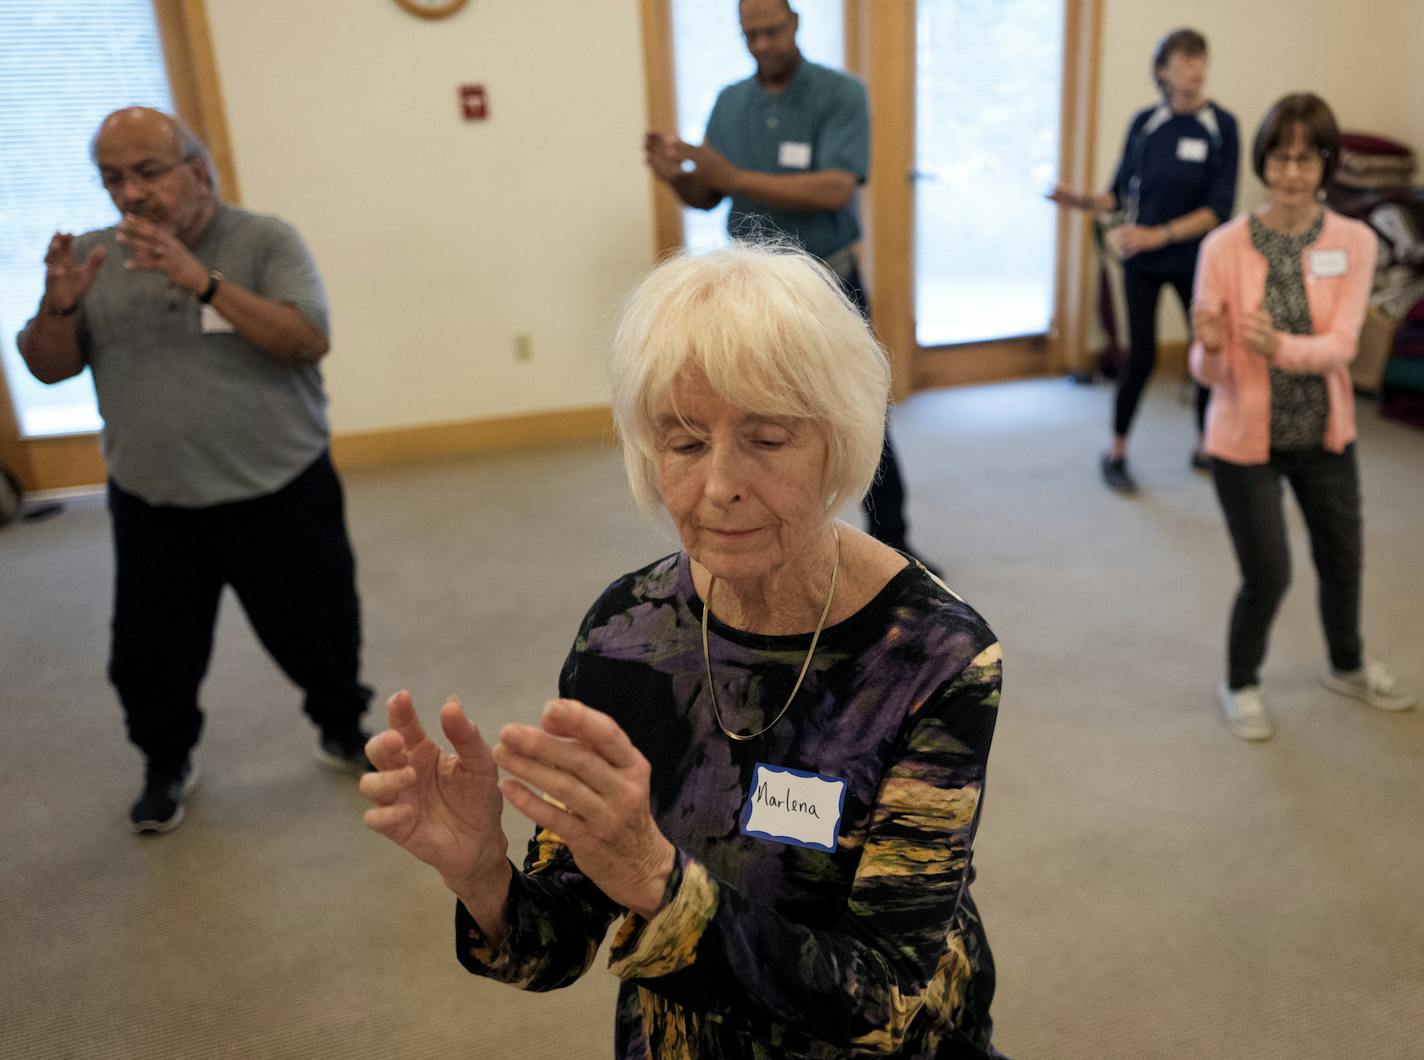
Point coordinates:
[(796, 808)]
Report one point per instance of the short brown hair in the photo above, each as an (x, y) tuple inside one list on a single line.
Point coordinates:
[(1186, 41), (1315, 118)]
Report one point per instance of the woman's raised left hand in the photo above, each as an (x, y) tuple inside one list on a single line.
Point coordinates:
[(600, 781)]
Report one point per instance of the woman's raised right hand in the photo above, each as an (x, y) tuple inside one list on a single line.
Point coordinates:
[(443, 808), (1209, 327)]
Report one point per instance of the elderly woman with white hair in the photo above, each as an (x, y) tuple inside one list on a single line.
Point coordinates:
[(768, 751)]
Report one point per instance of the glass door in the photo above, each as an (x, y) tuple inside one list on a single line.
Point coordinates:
[(987, 89)]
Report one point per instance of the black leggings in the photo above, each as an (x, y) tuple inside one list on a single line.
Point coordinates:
[(1142, 291)]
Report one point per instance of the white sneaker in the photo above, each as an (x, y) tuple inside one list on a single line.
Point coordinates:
[(1245, 712), (1374, 684)]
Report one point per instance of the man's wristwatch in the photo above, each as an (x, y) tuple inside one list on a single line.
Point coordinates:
[(215, 280)]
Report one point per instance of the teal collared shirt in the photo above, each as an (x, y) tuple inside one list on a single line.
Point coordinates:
[(820, 121)]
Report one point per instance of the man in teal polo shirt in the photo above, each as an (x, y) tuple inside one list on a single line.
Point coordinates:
[(790, 146)]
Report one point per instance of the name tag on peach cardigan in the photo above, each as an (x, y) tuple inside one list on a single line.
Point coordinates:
[(1327, 263)]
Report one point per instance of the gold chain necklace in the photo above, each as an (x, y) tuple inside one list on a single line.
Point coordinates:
[(806, 665)]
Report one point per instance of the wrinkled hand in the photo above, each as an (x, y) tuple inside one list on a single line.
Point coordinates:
[(443, 808), (66, 279), (661, 155), (155, 249), (581, 758), (1209, 327), (1257, 334), (712, 166), (1127, 240)]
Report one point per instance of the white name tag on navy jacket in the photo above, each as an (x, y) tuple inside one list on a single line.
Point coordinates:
[(1327, 263), (214, 323), (793, 155), (1191, 149), (789, 806)]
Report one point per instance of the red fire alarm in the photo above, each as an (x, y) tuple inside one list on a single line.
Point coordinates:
[(474, 104)]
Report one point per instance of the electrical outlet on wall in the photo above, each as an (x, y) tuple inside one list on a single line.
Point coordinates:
[(523, 347)]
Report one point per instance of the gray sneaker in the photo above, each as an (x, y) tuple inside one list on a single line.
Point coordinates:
[(1116, 475), (1245, 712), (1373, 683)]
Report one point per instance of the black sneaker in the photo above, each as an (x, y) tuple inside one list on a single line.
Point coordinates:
[(1116, 475), (160, 806), (345, 753)]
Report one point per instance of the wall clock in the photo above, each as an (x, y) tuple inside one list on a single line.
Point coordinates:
[(432, 8)]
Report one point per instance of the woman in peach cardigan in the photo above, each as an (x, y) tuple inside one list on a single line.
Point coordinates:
[(1280, 297)]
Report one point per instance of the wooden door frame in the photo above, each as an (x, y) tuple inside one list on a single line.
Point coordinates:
[(64, 461), (1064, 346), (1074, 268)]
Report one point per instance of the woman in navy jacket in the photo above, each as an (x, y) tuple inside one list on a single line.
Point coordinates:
[(1176, 182)]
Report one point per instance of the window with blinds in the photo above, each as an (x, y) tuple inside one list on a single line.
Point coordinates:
[(63, 67)]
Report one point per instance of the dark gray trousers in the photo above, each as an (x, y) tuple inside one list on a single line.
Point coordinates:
[(1327, 488)]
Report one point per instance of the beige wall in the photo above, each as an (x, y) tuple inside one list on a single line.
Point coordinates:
[(1362, 57), (439, 241)]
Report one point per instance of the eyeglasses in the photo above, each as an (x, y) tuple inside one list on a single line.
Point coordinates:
[(145, 176), (1305, 161)]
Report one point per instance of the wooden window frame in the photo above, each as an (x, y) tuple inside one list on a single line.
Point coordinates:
[(75, 460)]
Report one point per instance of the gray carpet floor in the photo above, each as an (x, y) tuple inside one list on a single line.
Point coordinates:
[(1152, 886)]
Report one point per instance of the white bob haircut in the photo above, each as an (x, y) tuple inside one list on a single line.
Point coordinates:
[(770, 330)]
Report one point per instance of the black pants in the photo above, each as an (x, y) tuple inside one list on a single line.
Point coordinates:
[(885, 503), (1142, 293), (287, 557), (1327, 487)]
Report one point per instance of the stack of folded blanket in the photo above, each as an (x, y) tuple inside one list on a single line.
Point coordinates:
[(1373, 183), (1372, 162)]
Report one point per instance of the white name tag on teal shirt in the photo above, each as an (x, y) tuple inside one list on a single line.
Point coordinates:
[(214, 323), (1327, 263), (789, 806), (1191, 149), (793, 155)]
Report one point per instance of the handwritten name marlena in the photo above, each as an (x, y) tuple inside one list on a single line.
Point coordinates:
[(785, 802)]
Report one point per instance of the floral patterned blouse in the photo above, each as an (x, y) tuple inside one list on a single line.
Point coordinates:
[(762, 947), (1299, 405)]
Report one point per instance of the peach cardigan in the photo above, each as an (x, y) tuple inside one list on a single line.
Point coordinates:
[(1232, 273)]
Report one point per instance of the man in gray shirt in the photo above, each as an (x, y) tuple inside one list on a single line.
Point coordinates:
[(203, 325)]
